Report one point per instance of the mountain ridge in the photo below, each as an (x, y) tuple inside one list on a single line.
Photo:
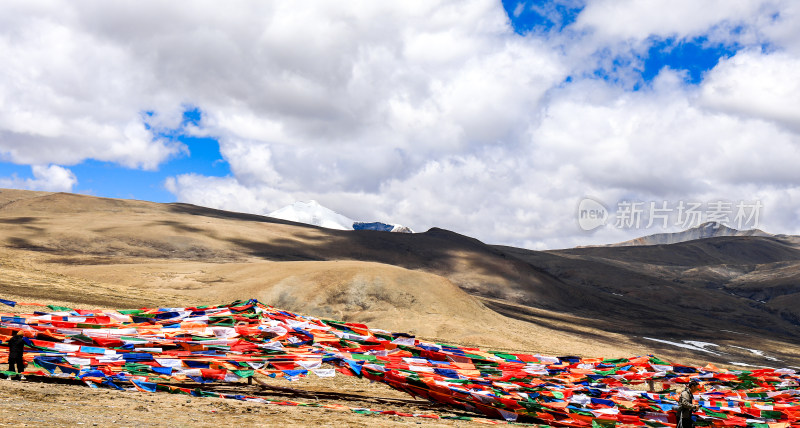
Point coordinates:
[(705, 230)]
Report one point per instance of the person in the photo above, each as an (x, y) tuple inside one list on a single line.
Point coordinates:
[(686, 405), (15, 347)]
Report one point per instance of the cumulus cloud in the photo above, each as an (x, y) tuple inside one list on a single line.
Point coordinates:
[(781, 30), (51, 178), (665, 144), (224, 192), (67, 95), (753, 84), (421, 113), (611, 20)]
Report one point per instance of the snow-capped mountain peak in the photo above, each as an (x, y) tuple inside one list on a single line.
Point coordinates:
[(311, 212)]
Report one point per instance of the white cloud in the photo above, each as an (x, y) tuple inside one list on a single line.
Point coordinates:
[(67, 95), (638, 20), (51, 178), (779, 30), (225, 193), (753, 84)]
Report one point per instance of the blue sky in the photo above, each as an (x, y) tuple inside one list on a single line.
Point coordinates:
[(109, 179), (531, 105)]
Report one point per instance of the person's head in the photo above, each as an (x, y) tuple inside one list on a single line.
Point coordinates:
[(694, 385), (13, 332)]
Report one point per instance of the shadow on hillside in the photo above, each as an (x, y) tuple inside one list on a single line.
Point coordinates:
[(437, 251), (280, 250), (19, 220), (184, 227), (24, 244), (25, 222), (727, 346), (736, 250), (551, 321)]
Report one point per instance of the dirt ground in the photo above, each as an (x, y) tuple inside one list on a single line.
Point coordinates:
[(37, 402)]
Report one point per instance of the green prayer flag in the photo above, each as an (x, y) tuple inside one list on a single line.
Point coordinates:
[(714, 414), (244, 373), (365, 357), (603, 423), (658, 361)]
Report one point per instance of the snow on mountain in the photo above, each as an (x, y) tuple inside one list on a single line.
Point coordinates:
[(399, 228), (311, 212)]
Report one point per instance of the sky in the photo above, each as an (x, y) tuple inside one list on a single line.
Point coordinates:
[(492, 119)]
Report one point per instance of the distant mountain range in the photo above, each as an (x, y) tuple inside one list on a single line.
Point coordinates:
[(706, 230), (313, 213)]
